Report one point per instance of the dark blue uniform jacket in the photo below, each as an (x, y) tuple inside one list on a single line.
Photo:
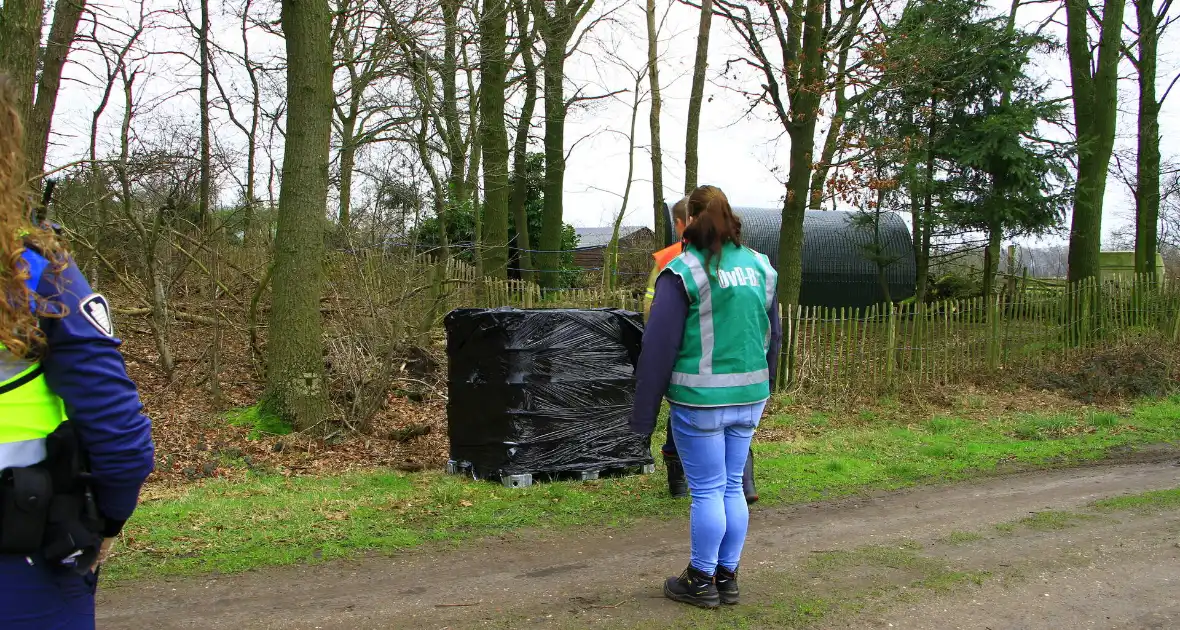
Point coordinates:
[(84, 367)]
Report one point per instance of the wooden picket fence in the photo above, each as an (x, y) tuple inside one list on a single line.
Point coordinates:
[(944, 343), (884, 347), (470, 291)]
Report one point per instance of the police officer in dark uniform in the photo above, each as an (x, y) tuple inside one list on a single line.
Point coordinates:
[(75, 447)]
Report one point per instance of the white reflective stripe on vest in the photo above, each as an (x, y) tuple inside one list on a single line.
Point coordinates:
[(23, 453), (771, 276), (11, 367), (741, 379), (704, 312)]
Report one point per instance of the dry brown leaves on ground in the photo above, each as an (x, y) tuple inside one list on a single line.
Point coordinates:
[(194, 440)]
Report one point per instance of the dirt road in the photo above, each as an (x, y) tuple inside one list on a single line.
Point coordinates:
[(1018, 552)]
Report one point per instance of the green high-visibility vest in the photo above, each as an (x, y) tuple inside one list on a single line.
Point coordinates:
[(29, 412), (722, 358)]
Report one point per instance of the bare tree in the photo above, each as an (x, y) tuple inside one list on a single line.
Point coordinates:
[(116, 57), (249, 128), (610, 265), (799, 75), (66, 15), (1094, 83), (149, 236), (657, 158), (364, 48), (696, 97), (848, 86), (1152, 23), (557, 28), (519, 197)]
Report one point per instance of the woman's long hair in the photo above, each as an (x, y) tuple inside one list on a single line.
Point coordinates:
[(21, 310), (713, 223)]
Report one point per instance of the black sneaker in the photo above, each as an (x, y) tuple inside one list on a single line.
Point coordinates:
[(727, 586), (677, 486), (693, 587)]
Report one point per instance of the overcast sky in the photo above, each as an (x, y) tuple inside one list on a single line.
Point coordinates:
[(738, 152)]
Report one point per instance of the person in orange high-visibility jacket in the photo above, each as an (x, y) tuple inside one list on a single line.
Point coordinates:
[(677, 485)]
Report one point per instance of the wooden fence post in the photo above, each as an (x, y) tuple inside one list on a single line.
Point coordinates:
[(782, 374), (890, 346), (993, 333)]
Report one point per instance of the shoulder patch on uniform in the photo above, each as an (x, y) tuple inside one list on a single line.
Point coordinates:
[(95, 309)]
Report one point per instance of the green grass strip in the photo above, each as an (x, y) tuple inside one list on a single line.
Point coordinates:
[(229, 526)]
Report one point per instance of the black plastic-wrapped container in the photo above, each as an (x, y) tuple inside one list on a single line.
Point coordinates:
[(543, 391)]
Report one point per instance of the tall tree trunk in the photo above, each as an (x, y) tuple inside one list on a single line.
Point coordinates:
[(347, 166), (449, 74), (819, 177), (657, 157), (556, 30), (113, 73), (296, 389), (921, 264), (610, 262), (1095, 110), (991, 260), (696, 97), (441, 195), (493, 72), (520, 185), (472, 183), (20, 46), (805, 102), (1147, 181), (205, 184), (843, 105), (927, 215), (61, 37), (249, 220), (208, 223), (878, 253), (552, 220), (148, 239)]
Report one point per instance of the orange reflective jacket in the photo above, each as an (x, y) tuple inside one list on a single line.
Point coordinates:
[(663, 257)]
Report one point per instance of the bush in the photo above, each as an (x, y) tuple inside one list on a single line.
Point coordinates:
[(1142, 369), (955, 285)]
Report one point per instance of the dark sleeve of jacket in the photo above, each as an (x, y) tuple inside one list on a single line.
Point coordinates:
[(661, 345), (84, 367), (776, 339)]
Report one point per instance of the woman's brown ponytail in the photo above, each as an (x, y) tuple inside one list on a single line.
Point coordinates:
[(713, 223)]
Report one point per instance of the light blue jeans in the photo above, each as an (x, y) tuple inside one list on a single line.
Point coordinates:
[(713, 444)]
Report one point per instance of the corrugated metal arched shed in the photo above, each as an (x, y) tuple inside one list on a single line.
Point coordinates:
[(836, 269)]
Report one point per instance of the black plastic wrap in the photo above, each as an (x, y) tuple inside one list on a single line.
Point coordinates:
[(543, 391)]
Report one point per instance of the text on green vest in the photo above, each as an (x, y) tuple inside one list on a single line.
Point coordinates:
[(721, 365)]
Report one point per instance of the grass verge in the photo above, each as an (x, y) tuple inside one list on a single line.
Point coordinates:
[(229, 526)]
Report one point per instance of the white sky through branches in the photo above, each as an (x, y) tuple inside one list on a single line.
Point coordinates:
[(739, 153)]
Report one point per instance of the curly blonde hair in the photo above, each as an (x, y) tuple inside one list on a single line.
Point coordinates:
[(20, 312)]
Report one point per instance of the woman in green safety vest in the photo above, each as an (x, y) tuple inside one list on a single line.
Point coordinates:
[(677, 485), (717, 380), (65, 399)]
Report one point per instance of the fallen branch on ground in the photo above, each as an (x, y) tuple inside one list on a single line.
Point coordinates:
[(184, 317)]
